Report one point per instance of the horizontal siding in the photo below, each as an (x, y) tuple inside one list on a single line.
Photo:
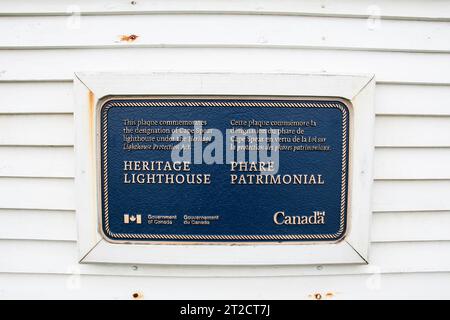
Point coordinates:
[(38, 225), (391, 195), (412, 100), (412, 131), (408, 51), (46, 162), (36, 97), (397, 67), (387, 226), (400, 9), (412, 195), (60, 257), (412, 163), (37, 193), (415, 286), (391, 131), (390, 163), (57, 97), (224, 30), (43, 130), (411, 226)]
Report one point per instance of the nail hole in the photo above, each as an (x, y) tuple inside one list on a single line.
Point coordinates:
[(137, 295)]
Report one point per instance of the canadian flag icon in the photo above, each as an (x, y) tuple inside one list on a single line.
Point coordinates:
[(127, 218)]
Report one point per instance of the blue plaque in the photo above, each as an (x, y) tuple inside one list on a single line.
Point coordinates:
[(224, 169)]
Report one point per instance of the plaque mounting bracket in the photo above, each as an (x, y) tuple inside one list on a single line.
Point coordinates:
[(90, 88)]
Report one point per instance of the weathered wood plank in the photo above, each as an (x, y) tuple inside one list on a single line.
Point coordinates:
[(47, 162), (241, 31), (390, 163), (37, 193), (411, 195), (411, 163), (38, 225), (386, 227), (401, 131), (387, 66), (58, 194), (57, 130), (36, 97), (412, 99), (57, 97), (389, 286), (411, 226), (56, 257), (400, 9), (34, 129)]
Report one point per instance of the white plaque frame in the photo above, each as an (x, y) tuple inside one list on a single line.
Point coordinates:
[(90, 88)]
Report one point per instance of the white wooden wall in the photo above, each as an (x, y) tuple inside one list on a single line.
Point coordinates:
[(44, 42)]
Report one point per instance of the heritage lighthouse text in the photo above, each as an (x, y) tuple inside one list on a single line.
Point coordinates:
[(166, 172)]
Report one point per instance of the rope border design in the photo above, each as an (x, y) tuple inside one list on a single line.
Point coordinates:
[(230, 103)]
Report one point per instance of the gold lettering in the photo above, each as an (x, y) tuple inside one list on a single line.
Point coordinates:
[(275, 218), (127, 165), (280, 218)]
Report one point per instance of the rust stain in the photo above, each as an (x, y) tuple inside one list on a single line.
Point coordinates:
[(329, 295), (129, 38), (91, 98), (92, 156), (320, 296), (91, 103)]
